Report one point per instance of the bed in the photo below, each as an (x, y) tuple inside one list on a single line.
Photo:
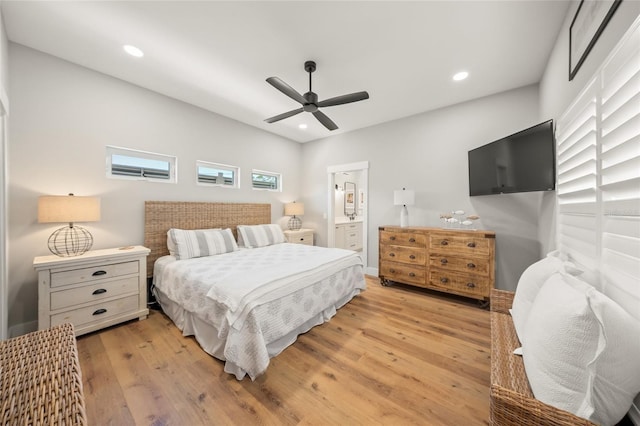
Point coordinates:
[(243, 305)]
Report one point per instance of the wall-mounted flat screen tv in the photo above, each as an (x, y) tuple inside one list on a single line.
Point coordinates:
[(522, 162)]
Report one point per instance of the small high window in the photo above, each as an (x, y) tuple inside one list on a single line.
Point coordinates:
[(217, 174), (266, 180), (123, 163)]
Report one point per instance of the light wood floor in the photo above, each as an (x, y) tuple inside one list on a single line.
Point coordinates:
[(392, 356)]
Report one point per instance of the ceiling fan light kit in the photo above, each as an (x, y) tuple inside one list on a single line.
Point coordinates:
[(309, 100)]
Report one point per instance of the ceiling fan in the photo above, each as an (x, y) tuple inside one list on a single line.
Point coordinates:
[(309, 100)]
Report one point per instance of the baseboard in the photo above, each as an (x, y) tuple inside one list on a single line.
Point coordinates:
[(634, 413), (23, 328)]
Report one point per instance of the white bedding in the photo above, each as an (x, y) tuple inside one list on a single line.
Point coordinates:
[(277, 292)]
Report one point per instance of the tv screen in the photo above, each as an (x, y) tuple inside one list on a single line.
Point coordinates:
[(522, 162)]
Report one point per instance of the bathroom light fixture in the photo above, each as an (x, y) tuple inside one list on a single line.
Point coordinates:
[(294, 209), (460, 76), (404, 197), (71, 240), (133, 51)]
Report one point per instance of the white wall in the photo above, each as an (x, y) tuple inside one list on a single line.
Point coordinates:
[(62, 118), (4, 106), (428, 153)]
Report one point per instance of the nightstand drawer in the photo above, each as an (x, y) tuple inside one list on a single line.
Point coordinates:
[(82, 275), (94, 292), (98, 312)]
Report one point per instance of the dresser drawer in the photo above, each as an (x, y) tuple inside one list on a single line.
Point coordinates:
[(82, 275), (462, 264), (463, 284), (93, 292), (410, 255), (403, 273), (460, 244), (407, 239), (97, 312)]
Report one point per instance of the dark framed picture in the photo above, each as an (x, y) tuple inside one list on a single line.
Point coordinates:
[(590, 20)]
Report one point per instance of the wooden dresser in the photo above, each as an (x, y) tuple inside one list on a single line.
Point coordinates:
[(454, 261)]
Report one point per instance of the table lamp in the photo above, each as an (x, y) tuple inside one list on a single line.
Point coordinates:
[(294, 209), (404, 197)]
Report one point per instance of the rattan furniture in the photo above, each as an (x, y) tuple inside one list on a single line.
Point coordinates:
[(512, 401), (41, 382)]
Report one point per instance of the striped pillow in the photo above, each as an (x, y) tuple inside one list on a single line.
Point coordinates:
[(201, 242), (260, 235)]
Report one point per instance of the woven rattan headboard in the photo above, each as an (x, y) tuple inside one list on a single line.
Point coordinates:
[(160, 216)]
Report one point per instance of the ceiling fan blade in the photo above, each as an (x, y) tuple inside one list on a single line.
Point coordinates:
[(286, 89), (326, 121), (344, 99), (284, 115)]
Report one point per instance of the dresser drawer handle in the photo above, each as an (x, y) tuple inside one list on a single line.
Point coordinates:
[(412, 257), (100, 311), (472, 245), (99, 291), (392, 238), (98, 273), (393, 271), (471, 285), (412, 240), (392, 255), (444, 243), (444, 261), (444, 280), (412, 274), (471, 265)]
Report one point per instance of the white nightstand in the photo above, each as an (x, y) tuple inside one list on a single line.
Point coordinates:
[(301, 236), (92, 291)]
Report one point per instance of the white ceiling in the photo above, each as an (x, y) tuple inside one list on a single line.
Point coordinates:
[(217, 55)]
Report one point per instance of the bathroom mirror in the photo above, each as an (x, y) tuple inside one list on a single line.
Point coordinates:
[(349, 198)]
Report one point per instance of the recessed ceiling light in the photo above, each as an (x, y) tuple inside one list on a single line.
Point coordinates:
[(302, 126), (133, 51), (461, 75)]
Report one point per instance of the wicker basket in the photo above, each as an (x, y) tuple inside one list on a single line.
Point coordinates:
[(512, 402), (41, 383)]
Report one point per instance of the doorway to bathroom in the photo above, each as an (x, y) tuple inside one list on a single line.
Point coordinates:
[(347, 224)]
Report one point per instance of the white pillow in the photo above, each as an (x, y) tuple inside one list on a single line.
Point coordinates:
[(260, 235), (171, 245), (528, 287), (582, 350), (200, 242)]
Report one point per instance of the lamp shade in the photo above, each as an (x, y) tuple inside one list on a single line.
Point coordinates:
[(68, 208), (404, 197), (294, 209)]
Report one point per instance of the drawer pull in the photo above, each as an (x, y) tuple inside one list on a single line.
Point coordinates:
[(412, 240), (393, 271), (100, 311), (98, 273), (412, 274), (392, 255), (412, 257), (444, 243), (444, 280), (392, 238), (472, 245), (471, 265), (471, 285), (99, 291), (302, 239), (444, 261)]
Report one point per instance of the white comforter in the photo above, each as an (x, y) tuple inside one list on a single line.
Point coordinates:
[(254, 297)]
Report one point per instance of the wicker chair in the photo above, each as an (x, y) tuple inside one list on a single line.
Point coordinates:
[(41, 383), (512, 402)]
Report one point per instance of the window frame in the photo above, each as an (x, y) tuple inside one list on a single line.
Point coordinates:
[(145, 155), (227, 167), (278, 177)]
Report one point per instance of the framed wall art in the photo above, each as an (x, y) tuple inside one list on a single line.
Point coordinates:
[(590, 20)]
